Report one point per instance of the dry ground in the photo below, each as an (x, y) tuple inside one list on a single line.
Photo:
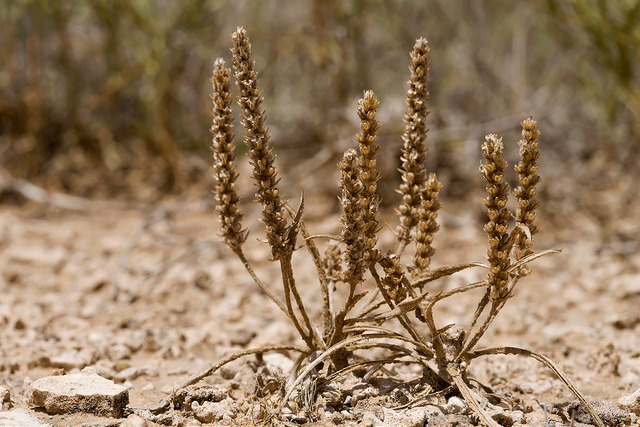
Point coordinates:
[(183, 301)]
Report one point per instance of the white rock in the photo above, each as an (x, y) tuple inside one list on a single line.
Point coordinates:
[(415, 417), (630, 402), (210, 412), (278, 360), (422, 415), (134, 421), (72, 359), (370, 420), (518, 417), (455, 405), (5, 398), (83, 392), (20, 417)]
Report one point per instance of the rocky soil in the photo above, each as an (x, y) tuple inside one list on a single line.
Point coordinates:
[(145, 297)]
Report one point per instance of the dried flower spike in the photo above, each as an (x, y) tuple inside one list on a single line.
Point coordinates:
[(527, 204), (414, 150), (257, 139), (224, 159), (369, 174), (331, 262), (393, 275), (352, 218), (496, 202), (427, 225)]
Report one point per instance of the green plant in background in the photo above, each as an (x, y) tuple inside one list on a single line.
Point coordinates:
[(443, 353), (108, 87)]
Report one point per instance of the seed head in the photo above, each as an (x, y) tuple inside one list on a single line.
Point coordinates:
[(224, 167), (257, 139), (413, 172), (498, 253)]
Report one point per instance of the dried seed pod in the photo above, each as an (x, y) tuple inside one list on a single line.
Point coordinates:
[(224, 167), (393, 275), (352, 218), (257, 139), (498, 253), (369, 174), (427, 225), (413, 152), (331, 261), (527, 204)]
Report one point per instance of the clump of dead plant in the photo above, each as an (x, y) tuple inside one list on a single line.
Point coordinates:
[(399, 291)]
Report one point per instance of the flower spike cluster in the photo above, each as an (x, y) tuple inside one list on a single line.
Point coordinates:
[(413, 152), (352, 218), (427, 225), (257, 139), (369, 174), (496, 202), (224, 167), (526, 192)]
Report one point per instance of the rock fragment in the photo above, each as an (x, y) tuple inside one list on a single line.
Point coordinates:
[(215, 412), (5, 398), (629, 403), (609, 413), (20, 417), (83, 392)]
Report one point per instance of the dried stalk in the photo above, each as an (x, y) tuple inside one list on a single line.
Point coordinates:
[(369, 174), (413, 172), (257, 139), (224, 165), (450, 346), (427, 225), (211, 369), (525, 193), (548, 363), (499, 215)]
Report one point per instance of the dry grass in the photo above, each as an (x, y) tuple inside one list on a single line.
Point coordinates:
[(332, 349)]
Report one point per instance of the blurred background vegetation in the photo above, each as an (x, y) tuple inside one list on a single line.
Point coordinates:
[(110, 98)]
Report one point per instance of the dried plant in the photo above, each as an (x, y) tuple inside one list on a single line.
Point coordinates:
[(369, 174), (352, 258), (499, 216), (413, 153), (427, 225), (526, 192), (224, 159)]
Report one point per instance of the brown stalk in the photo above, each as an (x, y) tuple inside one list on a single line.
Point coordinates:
[(496, 202), (403, 319), (288, 282), (413, 152), (280, 236), (369, 174), (224, 165), (327, 275), (526, 192), (257, 139), (548, 363), (224, 170), (427, 225), (353, 205), (353, 238), (212, 368)]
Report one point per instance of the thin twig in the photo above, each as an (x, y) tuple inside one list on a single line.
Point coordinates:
[(260, 283), (468, 397), (327, 353), (327, 315), (547, 362), (404, 321), (212, 368), (286, 277)]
